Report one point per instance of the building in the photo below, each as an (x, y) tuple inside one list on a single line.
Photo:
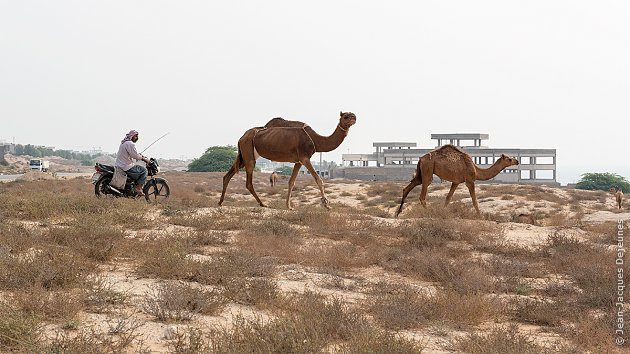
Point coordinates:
[(6, 149), (397, 160)]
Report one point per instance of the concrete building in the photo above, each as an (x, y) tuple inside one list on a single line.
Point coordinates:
[(398, 160), (6, 149)]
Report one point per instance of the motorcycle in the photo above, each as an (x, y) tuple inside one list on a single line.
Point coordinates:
[(154, 189)]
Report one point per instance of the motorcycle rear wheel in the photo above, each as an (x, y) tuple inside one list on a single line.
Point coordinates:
[(101, 188), (156, 190)]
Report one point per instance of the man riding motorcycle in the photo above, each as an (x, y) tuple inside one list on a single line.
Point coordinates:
[(127, 153)]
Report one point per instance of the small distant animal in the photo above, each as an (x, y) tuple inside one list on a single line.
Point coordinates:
[(618, 193), (524, 219), (273, 178)]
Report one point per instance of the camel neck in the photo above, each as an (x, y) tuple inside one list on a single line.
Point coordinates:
[(484, 174), (327, 143)]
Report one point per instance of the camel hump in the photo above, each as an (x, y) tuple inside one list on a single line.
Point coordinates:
[(281, 122)]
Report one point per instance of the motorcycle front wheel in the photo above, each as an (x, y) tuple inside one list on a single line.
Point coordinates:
[(156, 190)]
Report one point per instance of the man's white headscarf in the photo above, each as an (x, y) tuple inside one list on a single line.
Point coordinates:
[(129, 135)]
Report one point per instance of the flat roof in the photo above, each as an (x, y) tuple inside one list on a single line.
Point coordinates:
[(462, 136), (394, 144)]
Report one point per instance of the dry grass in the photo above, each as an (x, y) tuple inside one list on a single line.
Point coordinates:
[(181, 302), (403, 307), (66, 256), (505, 339)]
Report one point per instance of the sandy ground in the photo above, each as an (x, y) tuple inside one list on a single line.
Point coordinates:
[(295, 278)]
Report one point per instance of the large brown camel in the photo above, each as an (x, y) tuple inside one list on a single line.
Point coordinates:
[(286, 141), (618, 193), (452, 164)]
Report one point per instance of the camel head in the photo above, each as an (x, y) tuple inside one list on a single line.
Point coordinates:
[(346, 120), (507, 161)]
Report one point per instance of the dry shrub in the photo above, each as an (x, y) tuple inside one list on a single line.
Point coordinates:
[(270, 227), (209, 238), (542, 313), (437, 210), (19, 330), (595, 334), (505, 340), (402, 307), (604, 232), (557, 289), (308, 323), (539, 193), (251, 291), (122, 335), (92, 236), (470, 278), (51, 305), (166, 258), (17, 238), (337, 256), (190, 341), (428, 233), (39, 200), (198, 222), (592, 268), (285, 248), (374, 340), (437, 232), (423, 264), (230, 264), (101, 296), (51, 268), (181, 302), (578, 195), (384, 190), (399, 307)]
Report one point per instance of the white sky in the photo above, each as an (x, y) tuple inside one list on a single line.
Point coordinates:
[(532, 74)]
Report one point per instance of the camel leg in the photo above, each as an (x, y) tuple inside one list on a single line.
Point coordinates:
[(318, 180), (427, 178), (471, 189), (228, 176), (450, 193), (249, 169), (423, 194), (296, 169), (414, 182)]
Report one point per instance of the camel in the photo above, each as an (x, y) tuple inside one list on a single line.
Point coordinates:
[(286, 141), (273, 178), (618, 193), (452, 164)]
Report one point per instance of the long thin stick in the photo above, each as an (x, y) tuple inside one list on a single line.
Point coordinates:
[(154, 142)]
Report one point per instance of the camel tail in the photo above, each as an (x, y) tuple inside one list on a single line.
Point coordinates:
[(238, 161), (418, 174)]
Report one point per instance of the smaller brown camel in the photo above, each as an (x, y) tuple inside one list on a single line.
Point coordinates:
[(273, 178), (452, 164), (286, 141), (618, 193)]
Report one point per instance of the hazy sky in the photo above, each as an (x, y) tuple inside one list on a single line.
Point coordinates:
[(532, 74)]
